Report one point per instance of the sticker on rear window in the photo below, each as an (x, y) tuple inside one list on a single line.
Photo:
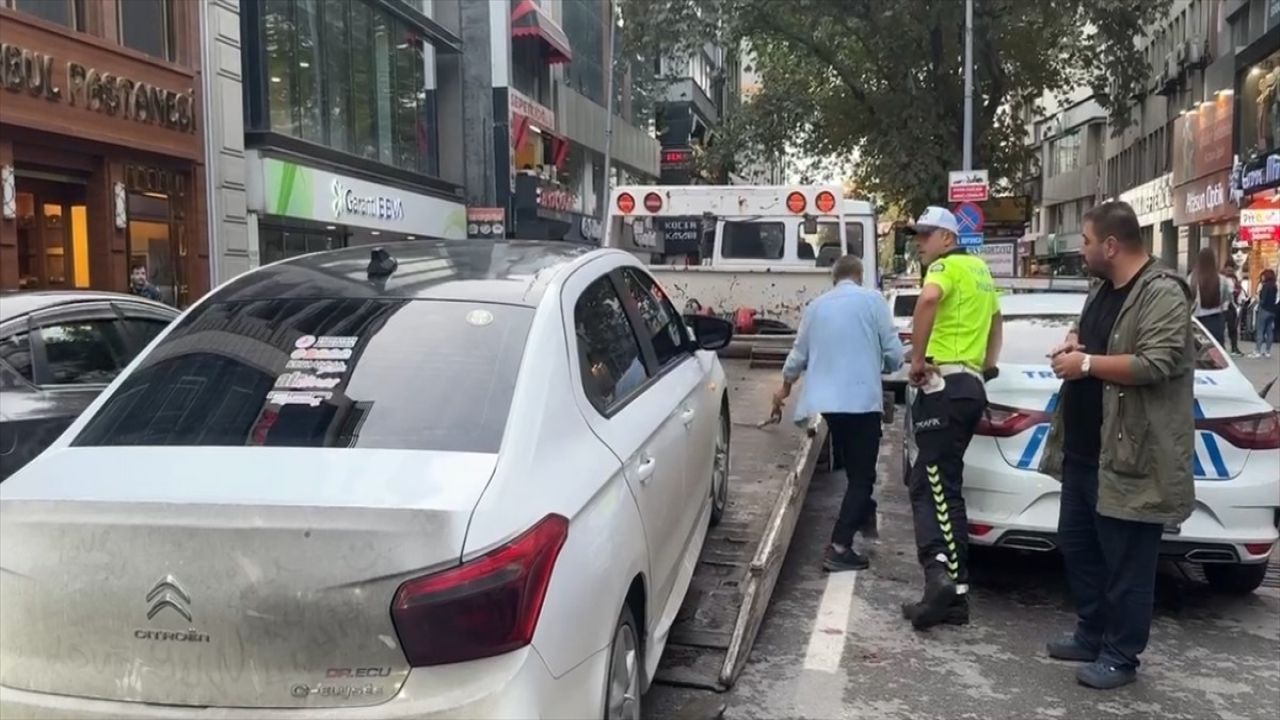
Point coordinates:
[(320, 367), (321, 354), (287, 397), (303, 381)]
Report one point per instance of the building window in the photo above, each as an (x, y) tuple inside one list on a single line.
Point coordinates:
[(68, 13), (147, 26), (278, 243), (584, 25), (1064, 153), (351, 76)]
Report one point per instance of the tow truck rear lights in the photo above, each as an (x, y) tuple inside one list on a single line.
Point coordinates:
[(485, 607), (825, 201), (626, 203), (796, 202), (1248, 432), (653, 202), (1004, 421)]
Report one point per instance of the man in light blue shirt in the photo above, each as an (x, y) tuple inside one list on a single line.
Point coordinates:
[(845, 342)]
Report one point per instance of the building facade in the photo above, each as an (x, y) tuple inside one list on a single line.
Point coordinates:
[(102, 161), (541, 73), (1256, 176), (699, 90)]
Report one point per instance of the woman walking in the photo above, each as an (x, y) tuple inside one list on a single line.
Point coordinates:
[(1267, 308), (1213, 295)]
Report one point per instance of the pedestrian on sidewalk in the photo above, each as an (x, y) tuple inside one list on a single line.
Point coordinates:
[(956, 333), (1212, 295), (1121, 442), (1265, 332), (845, 342), (1235, 307)]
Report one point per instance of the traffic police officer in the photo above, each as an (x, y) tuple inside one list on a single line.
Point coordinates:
[(956, 335)]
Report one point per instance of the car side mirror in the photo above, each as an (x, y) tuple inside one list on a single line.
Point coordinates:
[(710, 333)]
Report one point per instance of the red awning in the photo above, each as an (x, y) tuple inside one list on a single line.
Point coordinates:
[(529, 20)]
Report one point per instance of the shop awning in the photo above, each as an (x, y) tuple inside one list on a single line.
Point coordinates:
[(529, 20)]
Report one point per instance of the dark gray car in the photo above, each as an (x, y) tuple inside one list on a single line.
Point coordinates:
[(58, 350)]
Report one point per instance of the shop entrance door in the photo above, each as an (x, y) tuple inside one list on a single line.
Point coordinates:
[(157, 229), (53, 235)]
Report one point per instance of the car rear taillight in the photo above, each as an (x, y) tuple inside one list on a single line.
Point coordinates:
[(1257, 548), (1249, 432), (1002, 421), (905, 337), (484, 607), (978, 530)]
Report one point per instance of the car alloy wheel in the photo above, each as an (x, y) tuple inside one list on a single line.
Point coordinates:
[(720, 472), (623, 700)]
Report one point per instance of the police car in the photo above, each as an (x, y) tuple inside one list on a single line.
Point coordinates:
[(1233, 528)]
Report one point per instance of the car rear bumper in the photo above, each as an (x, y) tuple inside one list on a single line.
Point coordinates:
[(515, 685), (1021, 509)]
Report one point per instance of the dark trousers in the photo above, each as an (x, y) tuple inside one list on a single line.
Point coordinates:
[(1111, 568), (855, 439), (1233, 327), (943, 424), (1216, 324)]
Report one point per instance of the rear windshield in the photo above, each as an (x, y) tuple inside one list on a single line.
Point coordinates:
[(407, 374), (904, 305), (1028, 339)]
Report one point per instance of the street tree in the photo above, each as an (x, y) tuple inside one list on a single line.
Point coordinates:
[(879, 83)]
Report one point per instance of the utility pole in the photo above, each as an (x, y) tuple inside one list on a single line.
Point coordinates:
[(610, 44), (968, 85)]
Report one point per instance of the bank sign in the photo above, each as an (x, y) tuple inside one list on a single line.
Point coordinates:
[(292, 190)]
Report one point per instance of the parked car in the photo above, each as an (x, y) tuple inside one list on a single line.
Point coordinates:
[(1232, 530), (464, 479), (58, 350), (902, 304)]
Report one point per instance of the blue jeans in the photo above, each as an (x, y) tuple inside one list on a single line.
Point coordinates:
[(1111, 569), (1266, 330)]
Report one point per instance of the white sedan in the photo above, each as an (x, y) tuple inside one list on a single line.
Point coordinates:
[(1233, 527), (465, 479)]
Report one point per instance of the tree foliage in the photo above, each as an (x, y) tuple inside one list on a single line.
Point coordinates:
[(882, 81)]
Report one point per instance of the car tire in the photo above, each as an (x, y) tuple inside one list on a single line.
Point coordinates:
[(720, 471), (1234, 579), (626, 662)]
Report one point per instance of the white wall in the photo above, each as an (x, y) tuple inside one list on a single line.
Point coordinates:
[(232, 249)]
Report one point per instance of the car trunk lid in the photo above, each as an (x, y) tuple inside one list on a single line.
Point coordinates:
[(251, 577)]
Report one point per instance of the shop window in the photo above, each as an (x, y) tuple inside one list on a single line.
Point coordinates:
[(69, 13), (349, 75), (147, 26), (279, 243)]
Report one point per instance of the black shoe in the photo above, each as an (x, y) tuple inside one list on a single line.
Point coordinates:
[(939, 595), (957, 614), (843, 560), (1104, 676), (1070, 649), (871, 528)]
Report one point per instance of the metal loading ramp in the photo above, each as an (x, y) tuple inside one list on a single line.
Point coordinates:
[(770, 472)]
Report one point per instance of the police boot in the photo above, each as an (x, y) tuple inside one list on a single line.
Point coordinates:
[(939, 595), (957, 614)]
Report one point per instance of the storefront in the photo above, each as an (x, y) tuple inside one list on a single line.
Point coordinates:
[(1202, 180), (546, 209), (1153, 204), (1256, 176), (101, 158), (299, 209)]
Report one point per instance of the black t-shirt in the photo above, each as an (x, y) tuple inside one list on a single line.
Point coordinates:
[(1082, 399)]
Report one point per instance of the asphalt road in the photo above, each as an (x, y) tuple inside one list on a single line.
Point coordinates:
[(836, 646)]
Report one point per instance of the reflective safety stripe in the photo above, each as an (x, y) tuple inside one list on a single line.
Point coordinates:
[(943, 514), (1031, 453)]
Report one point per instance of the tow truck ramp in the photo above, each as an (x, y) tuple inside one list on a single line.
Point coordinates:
[(769, 478)]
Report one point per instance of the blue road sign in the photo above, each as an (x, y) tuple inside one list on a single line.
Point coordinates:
[(969, 217), (970, 240)]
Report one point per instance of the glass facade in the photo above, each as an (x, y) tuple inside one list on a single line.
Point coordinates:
[(584, 24), (351, 76)]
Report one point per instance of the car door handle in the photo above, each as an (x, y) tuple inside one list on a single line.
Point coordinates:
[(687, 415), (644, 471)]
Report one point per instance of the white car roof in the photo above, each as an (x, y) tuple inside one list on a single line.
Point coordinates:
[(1035, 303)]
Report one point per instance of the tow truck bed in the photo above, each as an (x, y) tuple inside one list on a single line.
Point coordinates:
[(770, 472)]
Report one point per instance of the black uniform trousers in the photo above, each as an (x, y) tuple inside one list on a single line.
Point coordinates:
[(855, 438), (943, 424)]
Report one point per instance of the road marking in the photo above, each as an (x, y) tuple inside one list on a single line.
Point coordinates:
[(827, 640)]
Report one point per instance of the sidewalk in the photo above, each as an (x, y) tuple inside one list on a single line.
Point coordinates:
[(1261, 371)]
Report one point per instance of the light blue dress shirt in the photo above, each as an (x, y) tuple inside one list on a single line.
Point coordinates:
[(845, 342)]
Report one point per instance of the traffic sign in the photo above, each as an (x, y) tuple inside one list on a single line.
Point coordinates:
[(968, 186), (969, 217), (970, 240)]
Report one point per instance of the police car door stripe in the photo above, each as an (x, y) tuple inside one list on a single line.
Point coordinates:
[(1211, 447), (1030, 452)]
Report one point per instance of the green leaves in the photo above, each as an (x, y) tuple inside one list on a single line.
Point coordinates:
[(878, 84)]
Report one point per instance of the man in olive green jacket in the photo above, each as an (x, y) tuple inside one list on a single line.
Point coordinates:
[(1121, 443)]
